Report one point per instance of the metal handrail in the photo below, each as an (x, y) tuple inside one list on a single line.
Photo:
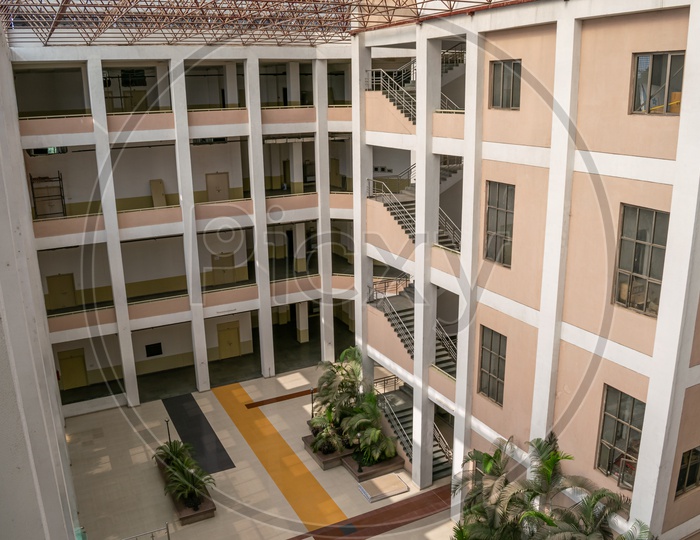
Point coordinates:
[(86, 114), (396, 424), (379, 191), (382, 302), (449, 227), (439, 438), (393, 284), (446, 104), (446, 341), (378, 79), (454, 56), (216, 109), (152, 534), (384, 382)]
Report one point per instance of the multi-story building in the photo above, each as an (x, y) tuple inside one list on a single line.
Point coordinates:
[(526, 173)]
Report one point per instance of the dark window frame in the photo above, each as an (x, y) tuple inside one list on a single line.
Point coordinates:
[(498, 224), (690, 465), (639, 261), (505, 84), (491, 382), (641, 98)]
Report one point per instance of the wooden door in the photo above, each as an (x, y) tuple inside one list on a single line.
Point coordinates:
[(61, 291), (139, 103), (229, 339), (217, 186), (71, 366), (222, 269), (158, 193)]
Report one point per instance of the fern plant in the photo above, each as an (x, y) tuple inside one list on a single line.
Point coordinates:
[(172, 451), (187, 482)]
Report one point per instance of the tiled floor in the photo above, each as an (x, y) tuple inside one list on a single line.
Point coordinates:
[(120, 492)]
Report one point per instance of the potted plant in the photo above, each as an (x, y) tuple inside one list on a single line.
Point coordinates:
[(327, 439), (373, 445), (187, 482), (172, 451)]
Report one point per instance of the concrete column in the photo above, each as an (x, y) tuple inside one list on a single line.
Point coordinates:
[(293, 84), (109, 214), (675, 327), (36, 468), (427, 208), (231, 82), (469, 256), (323, 188), (361, 172), (189, 237), (257, 190), (297, 168), (299, 237), (302, 322), (163, 85), (561, 166)]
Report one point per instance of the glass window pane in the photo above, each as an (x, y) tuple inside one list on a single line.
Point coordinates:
[(661, 228), (509, 224), (611, 400), (502, 196), (491, 216), (641, 259), (485, 357), (511, 198), (499, 249), (629, 222), (638, 293), (497, 84), (653, 296), (634, 442), (623, 288), (502, 369), (608, 434), (604, 457), (625, 413), (638, 414), (499, 394), (516, 85), (507, 84), (494, 364), (621, 433), (484, 383), (693, 472), (675, 84), (656, 268), (626, 255), (486, 337), (491, 247), (493, 388), (507, 252), (646, 218), (502, 352), (641, 83), (657, 92), (501, 225), (681, 480)]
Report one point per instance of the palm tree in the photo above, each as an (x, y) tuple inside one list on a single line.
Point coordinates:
[(339, 385), (365, 424)]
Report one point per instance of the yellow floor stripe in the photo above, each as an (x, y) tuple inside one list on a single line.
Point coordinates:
[(305, 495)]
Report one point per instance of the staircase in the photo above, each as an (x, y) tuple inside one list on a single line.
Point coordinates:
[(401, 421)]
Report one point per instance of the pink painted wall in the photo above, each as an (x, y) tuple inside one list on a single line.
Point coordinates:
[(382, 337), (384, 232), (154, 308), (288, 115), (68, 225), (149, 216), (340, 114), (223, 209), (55, 126), (382, 115), (139, 122), (445, 260), (230, 296), (215, 118), (341, 201), (83, 319), (448, 125)]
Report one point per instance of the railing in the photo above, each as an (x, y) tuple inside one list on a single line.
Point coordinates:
[(405, 74), (390, 383), (449, 227), (389, 286), (404, 334), (446, 104), (152, 535), (378, 79), (215, 109), (446, 341), (406, 442), (439, 438), (453, 57), (268, 107), (53, 116), (379, 191)]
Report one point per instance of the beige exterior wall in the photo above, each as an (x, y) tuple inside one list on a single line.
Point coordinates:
[(685, 506), (607, 48), (577, 408), (513, 418), (521, 282), (448, 125), (384, 232), (590, 267), (532, 124), (382, 337), (382, 115)]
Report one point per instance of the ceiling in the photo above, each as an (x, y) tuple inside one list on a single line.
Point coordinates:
[(211, 22)]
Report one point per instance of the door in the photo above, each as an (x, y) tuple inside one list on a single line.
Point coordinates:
[(139, 103), (222, 269), (229, 339), (61, 291), (71, 366), (217, 186), (336, 180), (158, 193)]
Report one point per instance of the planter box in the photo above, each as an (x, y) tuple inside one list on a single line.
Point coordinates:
[(325, 461), (188, 515), (373, 471)]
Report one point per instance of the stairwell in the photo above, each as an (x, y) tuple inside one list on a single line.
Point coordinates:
[(401, 402)]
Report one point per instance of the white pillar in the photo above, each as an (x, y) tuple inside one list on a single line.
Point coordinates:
[(469, 256), (293, 84), (427, 208), (675, 327), (561, 166), (183, 163), (109, 214), (297, 168), (257, 190), (231, 78), (302, 309), (323, 188), (361, 172), (163, 85)]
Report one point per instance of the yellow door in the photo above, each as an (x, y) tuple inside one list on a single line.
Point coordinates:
[(222, 269), (71, 365), (61, 291), (217, 186), (158, 193), (229, 340)]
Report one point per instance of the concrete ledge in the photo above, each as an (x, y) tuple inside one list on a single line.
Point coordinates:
[(325, 461), (373, 471)]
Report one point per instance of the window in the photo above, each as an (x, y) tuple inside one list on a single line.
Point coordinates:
[(500, 201), (689, 476), (505, 84), (658, 81), (620, 435), (154, 349), (492, 370), (640, 258)]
